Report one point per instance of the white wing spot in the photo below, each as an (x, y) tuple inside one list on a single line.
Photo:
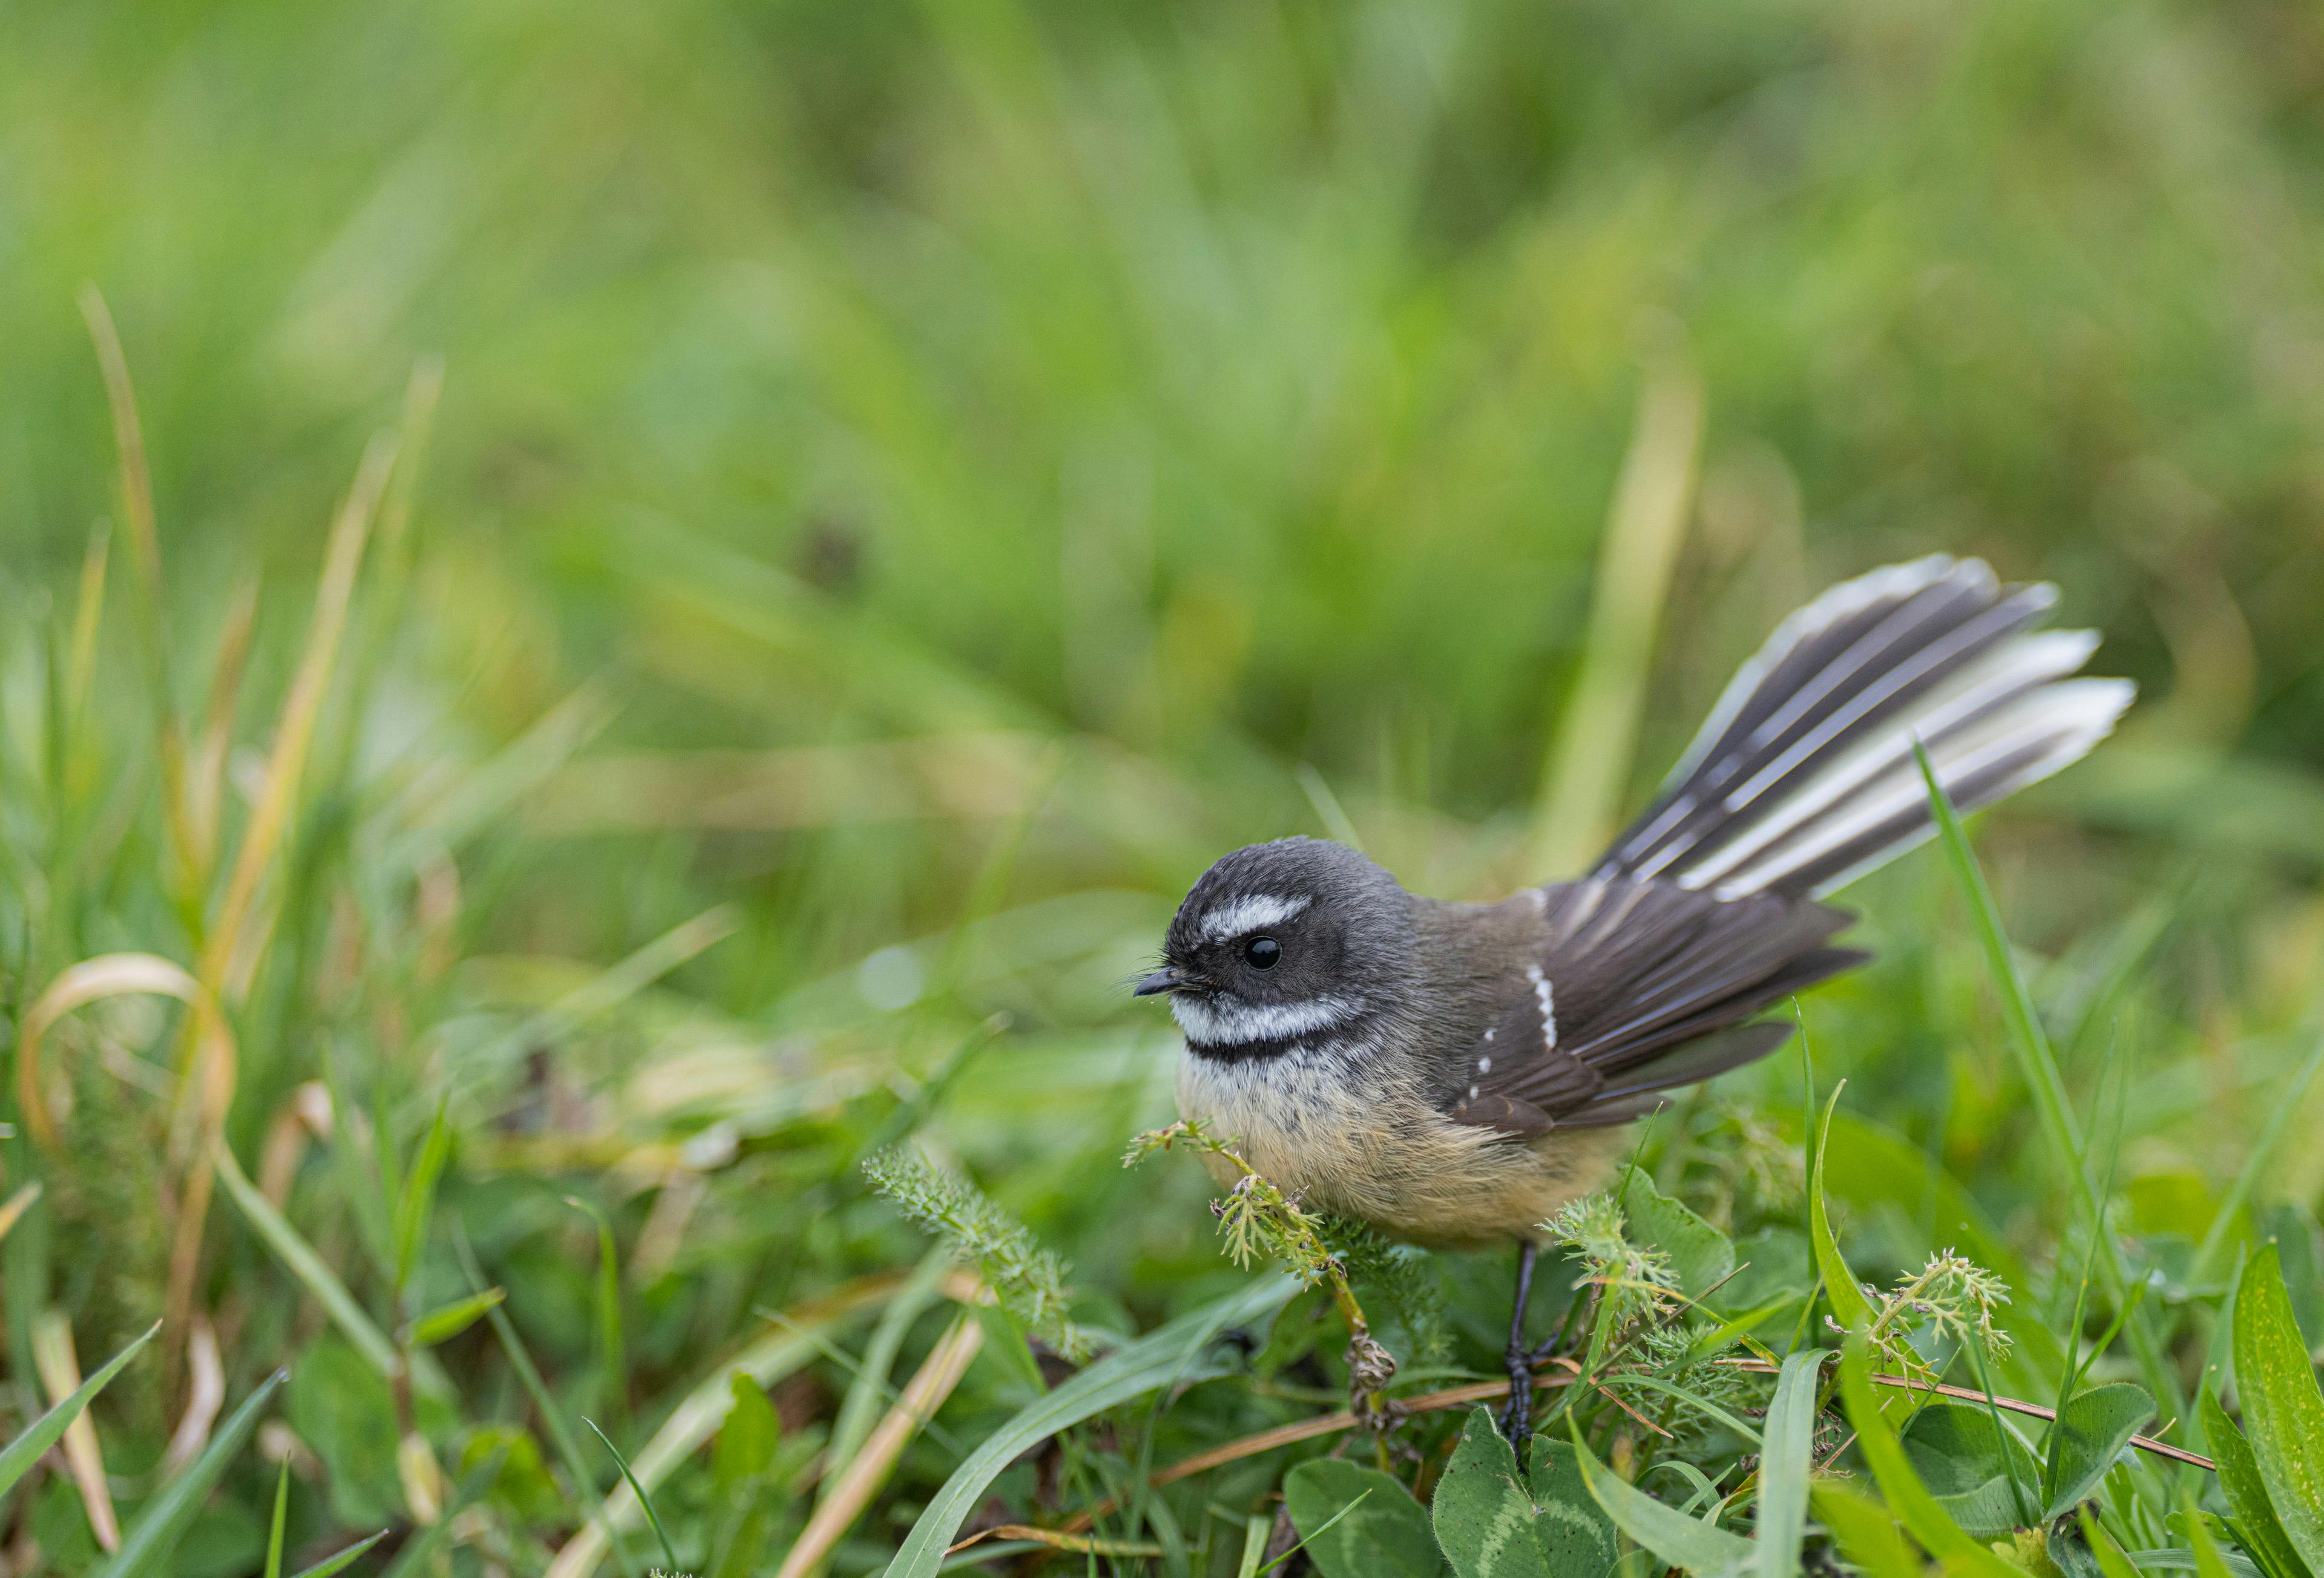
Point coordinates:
[(1541, 994), (1472, 1093), (1485, 1064), (1489, 1033)]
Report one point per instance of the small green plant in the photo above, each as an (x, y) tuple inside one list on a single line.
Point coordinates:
[(1027, 1281), (1260, 1220)]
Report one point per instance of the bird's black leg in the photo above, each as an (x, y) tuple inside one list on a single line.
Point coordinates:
[(1517, 1418)]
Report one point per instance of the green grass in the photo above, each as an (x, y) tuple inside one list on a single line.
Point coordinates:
[(886, 496)]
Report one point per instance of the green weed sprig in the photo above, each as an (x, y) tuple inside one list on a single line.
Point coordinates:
[(1259, 1219), (1027, 1280)]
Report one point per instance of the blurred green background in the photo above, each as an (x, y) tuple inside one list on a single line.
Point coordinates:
[(912, 486)]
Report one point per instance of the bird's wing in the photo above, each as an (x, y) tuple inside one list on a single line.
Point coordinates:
[(1638, 986)]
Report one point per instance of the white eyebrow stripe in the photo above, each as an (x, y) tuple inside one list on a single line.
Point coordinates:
[(1225, 1021), (1253, 913)]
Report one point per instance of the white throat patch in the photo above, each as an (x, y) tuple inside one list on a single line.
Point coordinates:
[(1254, 913), (1227, 1022)]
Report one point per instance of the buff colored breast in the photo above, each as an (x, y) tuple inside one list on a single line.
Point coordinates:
[(1386, 1157)]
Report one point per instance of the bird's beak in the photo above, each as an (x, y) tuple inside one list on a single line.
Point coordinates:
[(1170, 978)]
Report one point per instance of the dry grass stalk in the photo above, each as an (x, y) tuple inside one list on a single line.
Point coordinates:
[(59, 1368), (923, 1395)]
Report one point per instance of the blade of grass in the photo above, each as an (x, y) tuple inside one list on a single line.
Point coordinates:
[(22, 1201), (1589, 762), (644, 1500), (52, 1351), (445, 1322), (1080, 1545), (693, 1422), (2208, 1561), (552, 1418), (865, 1392), (2035, 1062), (612, 986), (925, 1392), (612, 1362), (1130, 1371), (19, 1456), (298, 1257), (2258, 1529), (2038, 1066), (165, 1520), (1899, 1484), (345, 1558), (2108, 1555), (1255, 1530), (274, 1528), (417, 1202), (108, 975), (1840, 1285), (2279, 1121), (1303, 1539), (136, 482), (418, 1554), (1671, 1535), (1866, 1533), (1784, 1464)]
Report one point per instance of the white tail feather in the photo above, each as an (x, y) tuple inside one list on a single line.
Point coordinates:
[(1933, 652)]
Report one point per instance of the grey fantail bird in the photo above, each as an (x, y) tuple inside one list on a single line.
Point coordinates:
[(1452, 1073)]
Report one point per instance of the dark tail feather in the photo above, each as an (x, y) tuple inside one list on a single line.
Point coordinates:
[(1805, 778)]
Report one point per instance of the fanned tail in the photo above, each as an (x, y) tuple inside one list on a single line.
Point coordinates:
[(1803, 778)]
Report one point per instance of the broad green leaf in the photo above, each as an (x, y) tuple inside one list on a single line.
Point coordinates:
[(1701, 1254), (748, 1437), (146, 1543), (346, 1414), (2257, 1527), (2283, 1410), (1848, 1300), (46, 1431), (1483, 1510), (1386, 1535), (1966, 1460), (1681, 1541), (343, 1560), (743, 1549), (1906, 1496), (2091, 1432), (1786, 1458), (2294, 1230), (1572, 1530), (442, 1324), (1865, 1531), (1170, 1356), (747, 1440)]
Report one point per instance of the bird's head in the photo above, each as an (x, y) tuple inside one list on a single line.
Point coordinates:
[(1280, 941)]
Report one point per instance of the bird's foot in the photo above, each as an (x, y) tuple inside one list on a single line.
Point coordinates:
[(1517, 1417)]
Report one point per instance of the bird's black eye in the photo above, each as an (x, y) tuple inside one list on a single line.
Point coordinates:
[(1262, 952)]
